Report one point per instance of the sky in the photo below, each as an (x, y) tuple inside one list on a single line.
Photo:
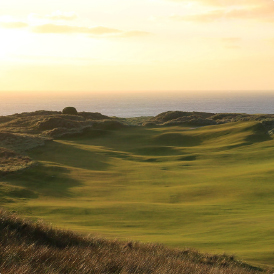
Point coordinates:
[(136, 45)]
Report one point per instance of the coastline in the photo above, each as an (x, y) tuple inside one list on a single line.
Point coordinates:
[(137, 105)]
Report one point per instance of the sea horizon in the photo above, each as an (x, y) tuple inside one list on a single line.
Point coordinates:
[(144, 103)]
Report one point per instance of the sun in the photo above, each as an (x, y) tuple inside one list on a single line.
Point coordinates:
[(9, 42), (14, 42), (3, 44)]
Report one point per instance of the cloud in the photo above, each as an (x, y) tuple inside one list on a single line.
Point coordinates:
[(136, 33), (59, 15), (95, 31), (9, 22), (261, 12), (53, 28), (103, 30), (13, 25), (200, 17), (225, 3), (54, 16), (43, 27)]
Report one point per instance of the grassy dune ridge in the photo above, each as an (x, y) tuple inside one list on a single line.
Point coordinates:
[(33, 247), (209, 187)]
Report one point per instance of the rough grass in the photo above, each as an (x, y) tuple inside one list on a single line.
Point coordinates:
[(204, 118), (33, 247), (211, 189), (11, 161), (21, 132)]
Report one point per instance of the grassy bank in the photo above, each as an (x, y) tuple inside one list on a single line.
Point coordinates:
[(27, 247)]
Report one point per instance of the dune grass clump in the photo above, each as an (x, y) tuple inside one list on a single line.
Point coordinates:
[(11, 161), (70, 110), (33, 247)]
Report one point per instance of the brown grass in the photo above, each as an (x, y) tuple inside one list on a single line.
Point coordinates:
[(170, 118), (11, 161), (33, 247), (21, 132)]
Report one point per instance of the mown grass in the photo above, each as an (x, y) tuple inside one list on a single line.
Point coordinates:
[(209, 188), (33, 247)]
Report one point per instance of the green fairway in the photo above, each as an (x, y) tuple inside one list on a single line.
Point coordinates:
[(210, 188)]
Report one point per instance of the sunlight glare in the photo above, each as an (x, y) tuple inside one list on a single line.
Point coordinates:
[(4, 46)]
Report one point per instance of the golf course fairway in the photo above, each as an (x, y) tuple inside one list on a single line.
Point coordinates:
[(210, 188)]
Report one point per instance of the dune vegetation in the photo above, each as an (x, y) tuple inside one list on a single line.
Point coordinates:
[(182, 184), (33, 247)]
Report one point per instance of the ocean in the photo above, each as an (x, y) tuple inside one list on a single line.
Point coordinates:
[(143, 103)]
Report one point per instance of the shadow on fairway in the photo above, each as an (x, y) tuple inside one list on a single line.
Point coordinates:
[(51, 181), (72, 155)]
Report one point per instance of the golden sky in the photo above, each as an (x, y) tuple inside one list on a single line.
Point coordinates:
[(136, 45)]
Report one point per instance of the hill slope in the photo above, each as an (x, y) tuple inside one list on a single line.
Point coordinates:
[(209, 188), (27, 247)]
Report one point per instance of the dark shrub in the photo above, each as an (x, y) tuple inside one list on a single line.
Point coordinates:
[(149, 124), (108, 125), (70, 110)]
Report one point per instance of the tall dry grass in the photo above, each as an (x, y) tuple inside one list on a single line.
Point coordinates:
[(33, 247)]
